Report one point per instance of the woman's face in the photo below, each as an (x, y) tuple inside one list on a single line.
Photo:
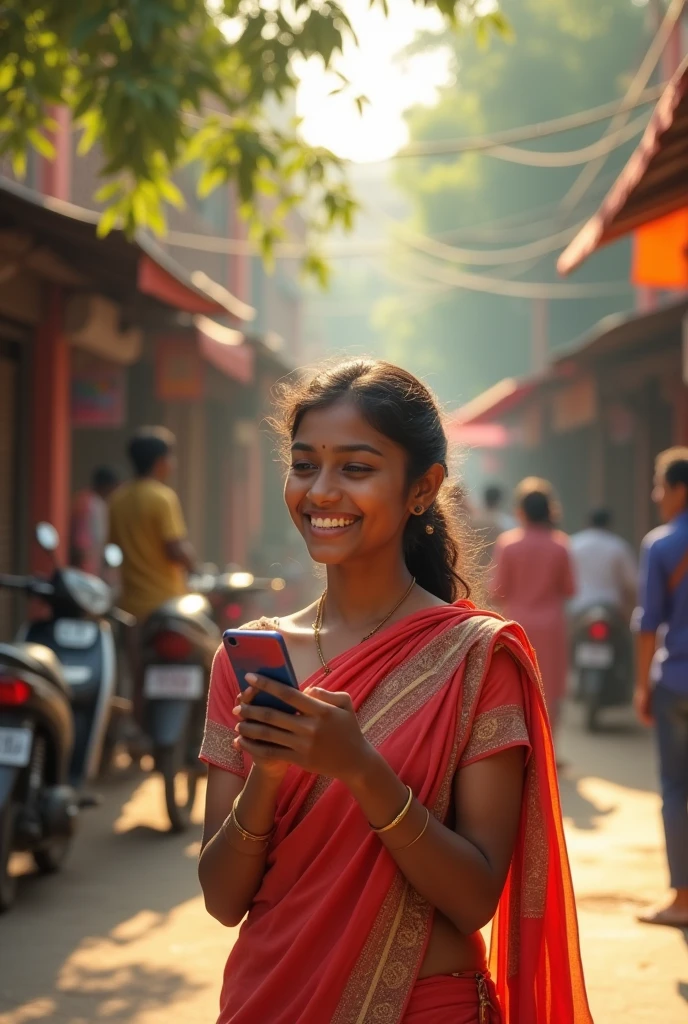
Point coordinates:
[(346, 489)]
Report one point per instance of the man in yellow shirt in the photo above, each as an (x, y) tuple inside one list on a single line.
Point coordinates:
[(146, 521)]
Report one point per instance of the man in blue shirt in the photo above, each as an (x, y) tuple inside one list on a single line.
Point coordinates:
[(662, 647)]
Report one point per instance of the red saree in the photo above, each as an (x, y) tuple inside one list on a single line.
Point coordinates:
[(335, 933)]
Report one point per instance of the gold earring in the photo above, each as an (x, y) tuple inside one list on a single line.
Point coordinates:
[(429, 528), (418, 510)]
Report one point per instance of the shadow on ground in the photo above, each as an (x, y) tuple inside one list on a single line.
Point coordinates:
[(582, 812)]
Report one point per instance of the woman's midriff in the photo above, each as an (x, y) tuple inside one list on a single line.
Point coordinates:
[(450, 952)]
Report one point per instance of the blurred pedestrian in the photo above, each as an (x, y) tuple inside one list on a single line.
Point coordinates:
[(147, 522), (490, 521), (662, 667), (370, 836), (88, 530), (606, 570), (533, 579)]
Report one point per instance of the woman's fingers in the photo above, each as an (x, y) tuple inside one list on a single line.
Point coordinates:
[(271, 716), (260, 751), (288, 694), (267, 734)]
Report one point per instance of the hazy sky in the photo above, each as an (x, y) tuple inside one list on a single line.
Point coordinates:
[(390, 85)]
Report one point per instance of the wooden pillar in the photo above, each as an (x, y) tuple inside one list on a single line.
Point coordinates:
[(596, 477), (196, 477), (50, 427), (56, 174), (643, 465)]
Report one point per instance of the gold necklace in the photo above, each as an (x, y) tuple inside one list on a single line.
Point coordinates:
[(317, 625)]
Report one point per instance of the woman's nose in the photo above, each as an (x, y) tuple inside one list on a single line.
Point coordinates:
[(324, 489)]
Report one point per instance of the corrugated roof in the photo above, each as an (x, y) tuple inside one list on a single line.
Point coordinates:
[(654, 182)]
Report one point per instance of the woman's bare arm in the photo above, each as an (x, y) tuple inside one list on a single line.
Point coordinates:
[(229, 869), (462, 872)]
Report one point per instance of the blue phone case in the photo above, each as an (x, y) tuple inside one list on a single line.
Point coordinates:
[(263, 652)]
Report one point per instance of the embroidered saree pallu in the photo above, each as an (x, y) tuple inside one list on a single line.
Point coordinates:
[(335, 933)]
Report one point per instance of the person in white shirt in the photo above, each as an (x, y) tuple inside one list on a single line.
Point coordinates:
[(606, 568)]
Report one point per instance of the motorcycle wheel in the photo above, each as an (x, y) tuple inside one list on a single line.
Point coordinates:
[(592, 689), (180, 787), (51, 858), (8, 882)]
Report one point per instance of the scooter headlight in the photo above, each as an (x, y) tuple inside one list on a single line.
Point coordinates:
[(91, 594)]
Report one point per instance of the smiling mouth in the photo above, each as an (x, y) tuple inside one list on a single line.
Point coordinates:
[(331, 524)]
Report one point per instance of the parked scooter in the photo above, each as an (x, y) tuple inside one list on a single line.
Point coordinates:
[(603, 660), (57, 694), (179, 642)]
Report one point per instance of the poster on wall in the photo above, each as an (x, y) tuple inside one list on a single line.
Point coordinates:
[(179, 370), (98, 393)]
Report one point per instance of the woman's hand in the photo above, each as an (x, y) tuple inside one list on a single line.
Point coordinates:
[(324, 737)]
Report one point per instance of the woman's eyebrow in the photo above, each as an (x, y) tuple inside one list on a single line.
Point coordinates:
[(357, 448), (300, 446)]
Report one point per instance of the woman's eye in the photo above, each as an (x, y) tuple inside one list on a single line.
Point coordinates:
[(356, 467), (302, 467)]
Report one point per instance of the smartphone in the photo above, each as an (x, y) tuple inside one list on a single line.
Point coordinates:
[(264, 652)]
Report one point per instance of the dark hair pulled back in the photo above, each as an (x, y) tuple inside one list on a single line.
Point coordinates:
[(402, 408)]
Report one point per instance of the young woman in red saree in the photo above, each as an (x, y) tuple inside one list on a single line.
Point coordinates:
[(413, 798)]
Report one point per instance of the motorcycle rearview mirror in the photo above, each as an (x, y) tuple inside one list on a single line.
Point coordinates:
[(47, 536), (113, 555)]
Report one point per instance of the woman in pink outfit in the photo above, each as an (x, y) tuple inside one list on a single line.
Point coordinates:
[(533, 579)]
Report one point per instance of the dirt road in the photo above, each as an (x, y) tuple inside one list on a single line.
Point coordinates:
[(122, 935)]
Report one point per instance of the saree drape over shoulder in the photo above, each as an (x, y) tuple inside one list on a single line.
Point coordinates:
[(336, 933)]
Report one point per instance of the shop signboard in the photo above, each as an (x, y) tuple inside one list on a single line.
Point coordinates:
[(179, 370), (98, 392)]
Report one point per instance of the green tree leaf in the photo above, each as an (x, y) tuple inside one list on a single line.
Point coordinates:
[(159, 84)]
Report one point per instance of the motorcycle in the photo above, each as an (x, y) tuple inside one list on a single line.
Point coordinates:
[(602, 658), (179, 641), (57, 695)]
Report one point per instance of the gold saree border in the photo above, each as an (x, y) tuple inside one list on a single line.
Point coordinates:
[(217, 747), (496, 729), (385, 972)]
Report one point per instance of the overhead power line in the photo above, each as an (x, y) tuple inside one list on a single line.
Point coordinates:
[(530, 132), (494, 257), (633, 93), (515, 289), (572, 157)]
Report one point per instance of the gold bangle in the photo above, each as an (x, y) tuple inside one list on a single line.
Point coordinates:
[(419, 836), (400, 816), (242, 831), (249, 849)]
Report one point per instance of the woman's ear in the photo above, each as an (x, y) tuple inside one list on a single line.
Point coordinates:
[(426, 488)]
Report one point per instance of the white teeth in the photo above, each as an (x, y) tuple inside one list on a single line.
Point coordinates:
[(328, 523)]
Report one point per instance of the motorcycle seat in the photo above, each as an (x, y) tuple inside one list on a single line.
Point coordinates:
[(37, 658)]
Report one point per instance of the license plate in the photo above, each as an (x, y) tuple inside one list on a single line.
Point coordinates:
[(76, 634), (167, 682), (594, 655), (15, 746)]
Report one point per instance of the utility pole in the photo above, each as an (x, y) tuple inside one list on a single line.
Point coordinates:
[(539, 335)]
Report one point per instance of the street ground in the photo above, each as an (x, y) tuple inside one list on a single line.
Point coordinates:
[(122, 935)]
